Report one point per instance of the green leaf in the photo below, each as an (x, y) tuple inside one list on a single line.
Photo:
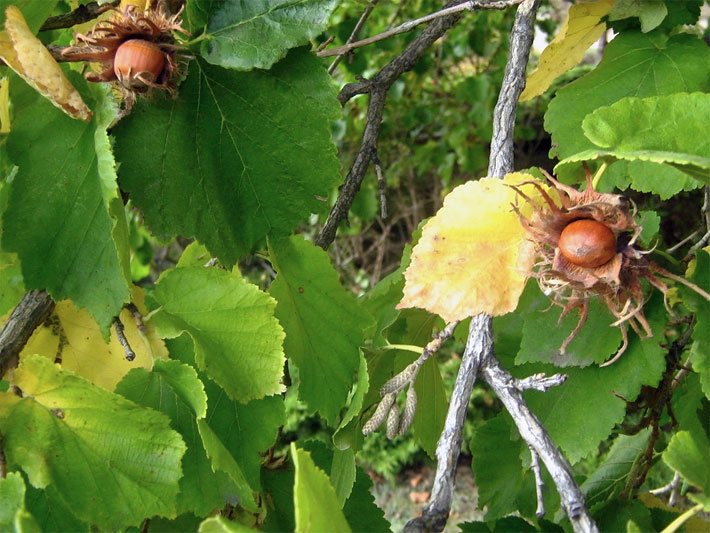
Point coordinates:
[(688, 453), (643, 176), (634, 64), (256, 34), (616, 515), (343, 438), (223, 461), (246, 430), (650, 223), (35, 13), (51, 512), (57, 218), (174, 389), (610, 477), (112, 462), (324, 324), (650, 12), (360, 509), (11, 286), (315, 502), (543, 335), (219, 524), (278, 487), (238, 342), (699, 273), (228, 161), (499, 472), (661, 129), (13, 515), (591, 398)]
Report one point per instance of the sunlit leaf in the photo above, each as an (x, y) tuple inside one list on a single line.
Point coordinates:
[(238, 341), (662, 129), (13, 515), (29, 58), (688, 453), (581, 29), (472, 256), (114, 463), (317, 507), (650, 12), (74, 338), (324, 324), (219, 524), (257, 33)]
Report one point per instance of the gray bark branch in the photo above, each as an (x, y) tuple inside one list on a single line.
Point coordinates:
[(479, 356), (34, 308)]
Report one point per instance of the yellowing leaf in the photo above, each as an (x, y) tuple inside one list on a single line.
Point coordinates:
[(74, 337), (581, 29), (5, 105), (28, 57), (472, 257)]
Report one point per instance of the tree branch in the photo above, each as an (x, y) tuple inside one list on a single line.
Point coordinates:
[(356, 31), (479, 356), (377, 88), (470, 5), (34, 308), (83, 13)]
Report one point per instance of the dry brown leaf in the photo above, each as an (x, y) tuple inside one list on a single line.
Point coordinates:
[(581, 29), (473, 256), (29, 58)]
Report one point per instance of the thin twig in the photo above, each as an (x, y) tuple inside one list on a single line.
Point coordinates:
[(706, 215), (34, 308), (540, 382), (83, 13), (121, 335), (539, 482), (381, 186), (377, 88), (672, 489), (356, 31), (470, 5)]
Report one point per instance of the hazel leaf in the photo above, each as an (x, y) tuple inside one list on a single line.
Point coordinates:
[(75, 338), (30, 59), (634, 64), (472, 257), (258, 33), (238, 341), (227, 161), (662, 129), (113, 461), (579, 31)]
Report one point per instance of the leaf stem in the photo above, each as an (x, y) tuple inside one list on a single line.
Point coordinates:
[(598, 176), (673, 526), (405, 347)]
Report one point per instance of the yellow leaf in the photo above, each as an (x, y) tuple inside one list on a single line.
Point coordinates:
[(5, 105), (140, 4), (26, 55), (581, 29), (74, 337), (473, 255)]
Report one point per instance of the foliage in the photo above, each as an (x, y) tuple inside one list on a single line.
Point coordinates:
[(183, 225)]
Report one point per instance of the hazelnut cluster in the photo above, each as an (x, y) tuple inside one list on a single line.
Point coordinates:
[(586, 247)]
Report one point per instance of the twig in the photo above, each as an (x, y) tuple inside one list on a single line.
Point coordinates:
[(381, 186), (411, 24), (83, 13), (706, 215), (672, 489), (540, 382), (34, 308), (121, 334), (356, 31), (436, 511), (137, 317), (538, 439), (377, 88), (387, 409), (539, 482)]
